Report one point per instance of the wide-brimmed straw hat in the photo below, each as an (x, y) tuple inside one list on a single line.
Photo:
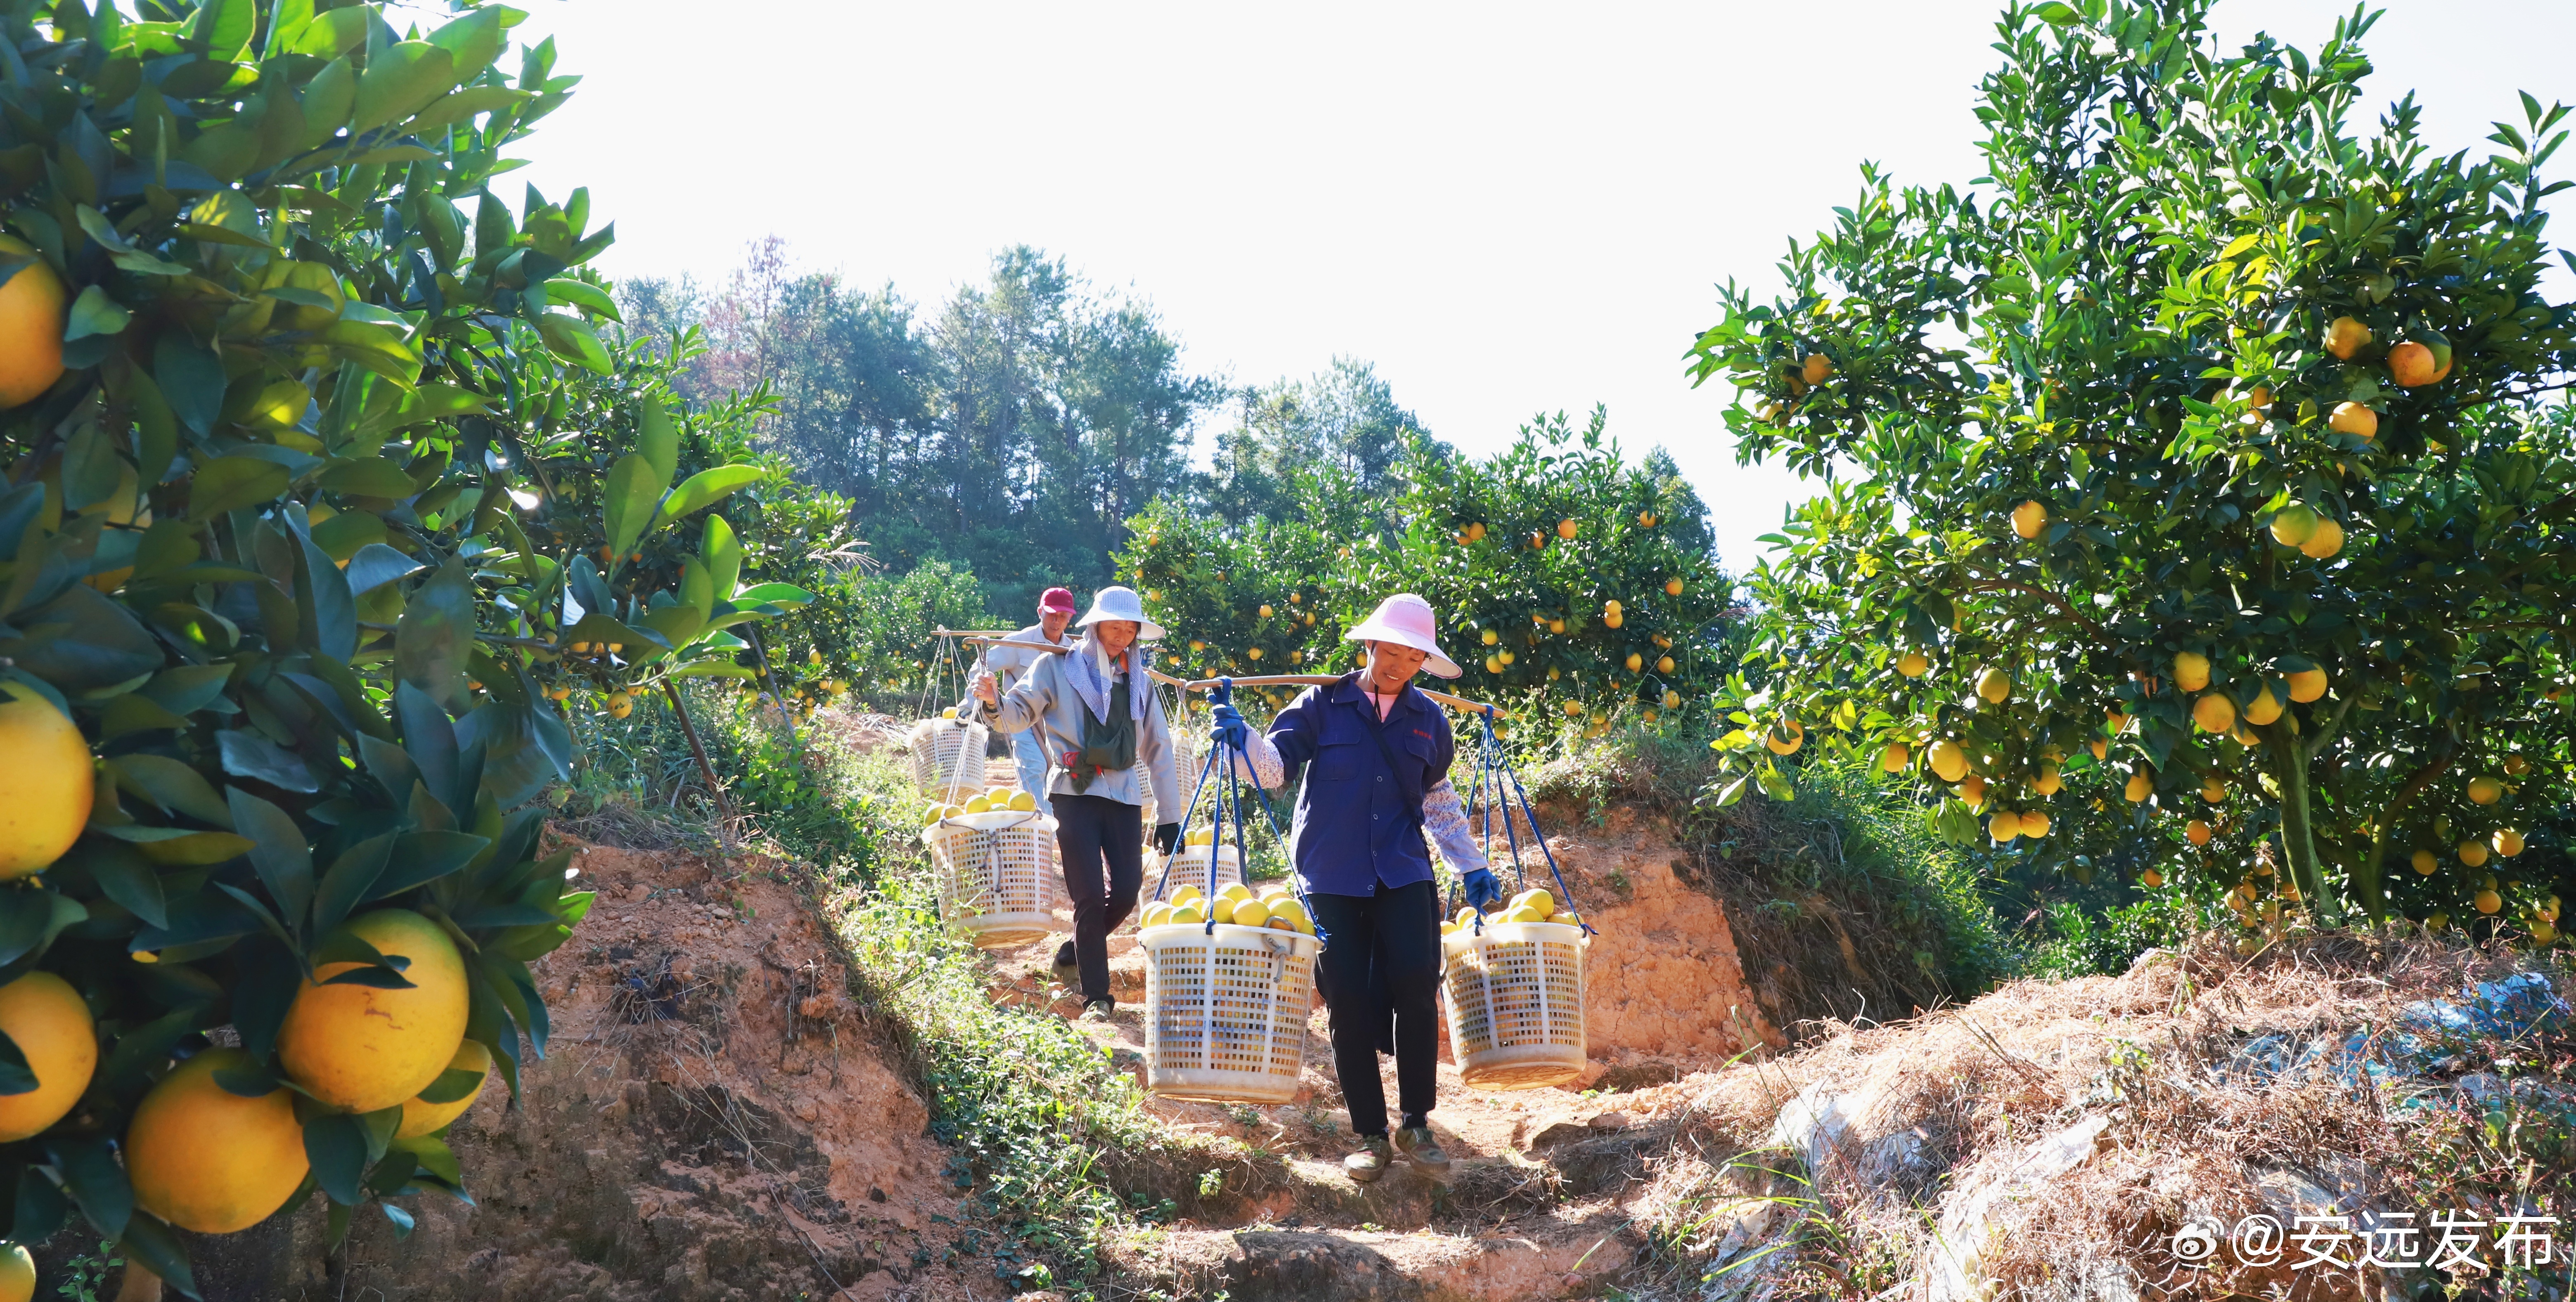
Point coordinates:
[(1115, 602), (1405, 620)]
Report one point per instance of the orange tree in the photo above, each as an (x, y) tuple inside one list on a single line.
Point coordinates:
[(1567, 580), (2208, 470), (273, 640)]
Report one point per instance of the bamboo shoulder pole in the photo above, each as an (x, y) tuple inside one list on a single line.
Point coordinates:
[(1253, 680)]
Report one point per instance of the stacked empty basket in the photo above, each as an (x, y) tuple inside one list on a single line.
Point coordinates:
[(1226, 1010), (996, 873), (1188, 866), (1513, 995), (947, 757)]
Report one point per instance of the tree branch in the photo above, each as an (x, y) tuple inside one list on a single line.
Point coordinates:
[(2064, 607)]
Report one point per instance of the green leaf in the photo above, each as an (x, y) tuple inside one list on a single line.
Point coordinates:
[(229, 482), (148, 1240), (16, 1077), (632, 491), (452, 1084), (174, 847), (278, 851), (336, 1144), (249, 755), (172, 785), (191, 379), (584, 295), (723, 556), (80, 641), (708, 487), (772, 594), (657, 440), (400, 80), (350, 880), (436, 633), (367, 477), (571, 338), (94, 1180), (419, 858), (376, 565), (96, 314), (125, 876), (333, 32)]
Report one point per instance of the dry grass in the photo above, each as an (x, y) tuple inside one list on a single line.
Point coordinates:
[(1969, 1090)]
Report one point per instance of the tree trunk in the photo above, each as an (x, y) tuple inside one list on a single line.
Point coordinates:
[(2297, 841), (715, 790)]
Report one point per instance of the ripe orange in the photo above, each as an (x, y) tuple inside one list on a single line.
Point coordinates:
[(1817, 369), (2346, 336), (2140, 787), (1896, 757), (2004, 826), (2029, 518), (2197, 831), (17, 1273), (1994, 685), (2472, 852), (2151, 879), (2484, 790), (425, 1118), (1913, 664), (1565, 529), (1636, 662), (31, 327), (52, 1027), (1663, 664), (2354, 419), (2508, 842), (2034, 824), (1949, 760), (363, 1049), (45, 787), (1672, 700), (1786, 738), (2325, 542), (2191, 671), (2264, 708), (2292, 524), (1672, 587), (208, 1160), (2412, 365), (2307, 685), (1973, 791), (2423, 862), (2489, 901)]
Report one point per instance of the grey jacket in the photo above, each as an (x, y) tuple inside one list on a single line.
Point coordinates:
[(1010, 664), (1043, 700)]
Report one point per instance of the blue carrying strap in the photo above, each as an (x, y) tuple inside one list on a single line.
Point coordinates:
[(1495, 786), (1224, 750)]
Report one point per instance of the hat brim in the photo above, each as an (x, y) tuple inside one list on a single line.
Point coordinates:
[(1441, 666), (1146, 629)]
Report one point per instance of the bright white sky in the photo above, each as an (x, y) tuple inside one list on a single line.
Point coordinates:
[(1508, 208)]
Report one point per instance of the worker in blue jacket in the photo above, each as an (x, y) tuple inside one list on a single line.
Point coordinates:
[(1378, 754)]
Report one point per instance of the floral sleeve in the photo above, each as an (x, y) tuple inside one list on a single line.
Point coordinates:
[(1445, 818)]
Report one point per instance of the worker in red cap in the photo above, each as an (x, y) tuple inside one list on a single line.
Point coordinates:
[(1010, 664)]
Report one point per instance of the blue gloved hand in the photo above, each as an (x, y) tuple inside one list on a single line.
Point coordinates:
[(1481, 888), (1231, 728)]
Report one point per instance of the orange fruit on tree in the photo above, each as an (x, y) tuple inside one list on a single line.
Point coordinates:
[(46, 785), (1672, 587), (2214, 713), (2004, 826), (2413, 365), (2325, 542), (2508, 842), (2151, 879), (2191, 670), (51, 1026), (2264, 708), (2101, 749), (1973, 791), (2516, 765), (1565, 529), (1896, 757), (17, 1273), (1949, 760), (2423, 862), (2472, 852), (361, 1048), (422, 1118), (206, 1159), (2307, 685), (2484, 790), (1636, 662), (32, 304), (2034, 824), (2049, 782), (2345, 337), (2292, 524), (1913, 664), (2028, 519), (1816, 369), (2139, 787), (2197, 831), (1786, 738), (1663, 664), (1672, 700), (1994, 685), (2488, 901), (2354, 419)]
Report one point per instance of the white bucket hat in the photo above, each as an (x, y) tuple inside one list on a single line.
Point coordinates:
[(1115, 602), (1405, 620)]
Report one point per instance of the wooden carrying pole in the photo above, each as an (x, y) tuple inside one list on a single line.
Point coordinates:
[(1205, 684)]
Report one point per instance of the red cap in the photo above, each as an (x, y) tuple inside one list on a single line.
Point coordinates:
[(1057, 599)]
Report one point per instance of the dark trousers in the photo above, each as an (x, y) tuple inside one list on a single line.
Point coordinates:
[(1090, 832), (1383, 959)]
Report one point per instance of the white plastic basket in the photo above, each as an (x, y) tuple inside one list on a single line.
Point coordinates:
[(1225, 1011), (1188, 866), (996, 873), (948, 757), (1185, 772), (1514, 1001)]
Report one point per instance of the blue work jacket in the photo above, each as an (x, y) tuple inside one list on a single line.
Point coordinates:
[(1359, 818)]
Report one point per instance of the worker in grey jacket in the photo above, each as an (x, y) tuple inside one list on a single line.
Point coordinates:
[(1011, 663), (1102, 726)]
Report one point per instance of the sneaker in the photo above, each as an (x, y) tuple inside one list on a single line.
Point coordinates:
[(1366, 1165), (1098, 1010), (1421, 1148)]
